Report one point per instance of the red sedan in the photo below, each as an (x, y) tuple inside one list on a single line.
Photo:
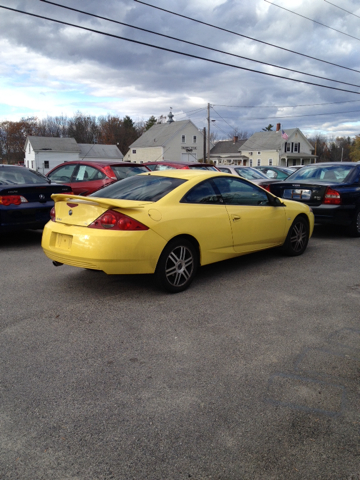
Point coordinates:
[(86, 177)]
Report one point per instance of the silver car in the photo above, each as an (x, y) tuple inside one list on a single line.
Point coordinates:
[(249, 173)]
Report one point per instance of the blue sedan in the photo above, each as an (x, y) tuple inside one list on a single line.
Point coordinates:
[(332, 190), (25, 198)]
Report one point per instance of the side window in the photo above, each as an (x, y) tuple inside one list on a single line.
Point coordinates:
[(234, 191), (202, 193), (87, 173), (63, 174)]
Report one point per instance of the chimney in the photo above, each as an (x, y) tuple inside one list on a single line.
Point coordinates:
[(278, 126), (236, 138)]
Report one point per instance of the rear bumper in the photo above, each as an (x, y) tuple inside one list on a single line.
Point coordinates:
[(334, 214), (21, 217)]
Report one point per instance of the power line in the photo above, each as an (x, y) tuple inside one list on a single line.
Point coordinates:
[(343, 9), (199, 45), (315, 21), (245, 36), (299, 116), (287, 106), (178, 52)]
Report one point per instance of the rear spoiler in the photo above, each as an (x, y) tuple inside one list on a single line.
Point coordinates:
[(104, 202)]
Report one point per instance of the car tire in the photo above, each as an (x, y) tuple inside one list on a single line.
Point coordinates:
[(297, 238), (354, 229), (177, 265)]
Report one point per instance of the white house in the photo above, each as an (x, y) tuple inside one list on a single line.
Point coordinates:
[(171, 141), (227, 152), (283, 148), (45, 153)]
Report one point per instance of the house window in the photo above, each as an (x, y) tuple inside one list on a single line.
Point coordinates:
[(29, 148), (270, 162), (295, 147), (183, 139), (259, 153), (46, 164), (194, 139), (258, 162), (288, 147), (250, 153), (250, 162), (134, 151)]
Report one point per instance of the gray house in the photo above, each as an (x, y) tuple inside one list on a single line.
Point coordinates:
[(171, 141), (45, 153), (228, 152)]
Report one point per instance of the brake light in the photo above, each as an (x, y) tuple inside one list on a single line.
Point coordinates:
[(12, 200), (109, 172), (266, 187), (332, 197), (111, 220), (52, 214)]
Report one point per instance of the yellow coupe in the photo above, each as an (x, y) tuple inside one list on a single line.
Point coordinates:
[(169, 223)]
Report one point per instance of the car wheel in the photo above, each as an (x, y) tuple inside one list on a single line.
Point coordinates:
[(297, 238), (354, 229), (177, 265)]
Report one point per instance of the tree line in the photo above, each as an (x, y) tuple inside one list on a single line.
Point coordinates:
[(105, 130), (113, 130)]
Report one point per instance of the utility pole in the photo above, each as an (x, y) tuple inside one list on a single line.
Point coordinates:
[(208, 137), (204, 146)]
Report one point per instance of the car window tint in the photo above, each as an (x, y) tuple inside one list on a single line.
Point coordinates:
[(163, 167), (204, 192), (21, 176), (223, 169), (86, 173), (331, 173), (63, 174), (148, 188), (234, 191), (127, 171), (249, 173), (203, 167)]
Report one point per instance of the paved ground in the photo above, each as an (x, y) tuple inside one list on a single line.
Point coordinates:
[(253, 373)]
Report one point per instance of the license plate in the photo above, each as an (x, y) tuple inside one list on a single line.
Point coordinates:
[(297, 194), (63, 241)]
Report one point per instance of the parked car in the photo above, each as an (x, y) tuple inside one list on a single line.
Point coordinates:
[(25, 198), (249, 173), (332, 190), (85, 177), (170, 223), (295, 167), (157, 166), (278, 173)]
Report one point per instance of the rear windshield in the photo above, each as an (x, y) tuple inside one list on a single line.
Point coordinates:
[(336, 173), (127, 171), (203, 167), (21, 176), (147, 188), (249, 173)]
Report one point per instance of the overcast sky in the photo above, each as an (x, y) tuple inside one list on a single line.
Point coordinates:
[(50, 69)]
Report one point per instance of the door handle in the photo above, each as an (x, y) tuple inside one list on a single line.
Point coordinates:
[(235, 218)]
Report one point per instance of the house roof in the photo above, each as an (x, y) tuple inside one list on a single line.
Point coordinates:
[(90, 150), (56, 144), (226, 146), (267, 140), (160, 134)]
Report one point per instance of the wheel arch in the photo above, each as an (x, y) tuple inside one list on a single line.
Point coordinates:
[(185, 236)]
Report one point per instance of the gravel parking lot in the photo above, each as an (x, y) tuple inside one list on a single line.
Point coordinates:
[(252, 373)]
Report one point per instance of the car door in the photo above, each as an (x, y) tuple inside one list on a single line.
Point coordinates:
[(63, 174), (256, 223), (87, 179), (206, 218)]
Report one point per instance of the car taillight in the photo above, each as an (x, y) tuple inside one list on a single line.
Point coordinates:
[(266, 187), (12, 200), (52, 214), (332, 197), (111, 220), (109, 172)]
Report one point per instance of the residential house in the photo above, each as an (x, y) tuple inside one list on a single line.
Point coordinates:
[(228, 152), (282, 147), (45, 153), (171, 141)]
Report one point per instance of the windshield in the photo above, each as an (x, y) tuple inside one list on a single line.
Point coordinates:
[(337, 173), (147, 188), (128, 171), (203, 167), (250, 174), (21, 176)]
